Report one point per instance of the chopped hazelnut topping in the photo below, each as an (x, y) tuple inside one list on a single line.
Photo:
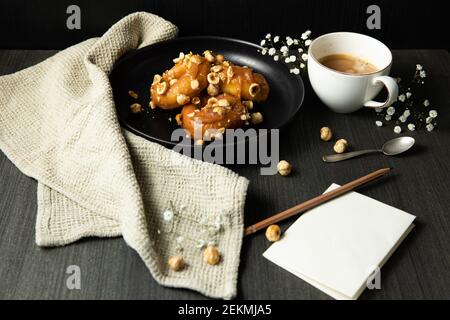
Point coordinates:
[(220, 58), (182, 99), (196, 59), (248, 104), (195, 100), (194, 84), (161, 88), (209, 56), (212, 90), (172, 82), (256, 118), (180, 58), (216, 68), (136, 108), (219, 110), (133, 94), (156, 79), (213, 78), (254, 89), (230, 72), (224, 103)]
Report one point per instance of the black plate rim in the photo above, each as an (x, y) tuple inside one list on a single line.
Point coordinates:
[(131, 54)]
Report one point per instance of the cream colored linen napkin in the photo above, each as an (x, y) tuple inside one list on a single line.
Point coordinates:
[(58, 125), (339, 245)]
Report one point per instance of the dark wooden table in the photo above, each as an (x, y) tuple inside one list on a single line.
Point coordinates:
[(420, 184)]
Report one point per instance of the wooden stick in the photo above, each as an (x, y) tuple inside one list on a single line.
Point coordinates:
[(315, 201)]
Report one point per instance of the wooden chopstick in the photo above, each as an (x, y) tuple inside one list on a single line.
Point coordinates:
[(315, 201)]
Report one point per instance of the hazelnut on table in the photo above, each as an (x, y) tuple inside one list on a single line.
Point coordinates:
[(284, 168), (273, 233), (326, 134), (340, 146)]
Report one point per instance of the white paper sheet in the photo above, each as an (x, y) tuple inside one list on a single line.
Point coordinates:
[(337, 245)]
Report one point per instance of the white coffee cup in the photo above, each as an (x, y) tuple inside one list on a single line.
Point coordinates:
[(345, 92)]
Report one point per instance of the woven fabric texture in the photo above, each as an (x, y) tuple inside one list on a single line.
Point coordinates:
[(58, 125)]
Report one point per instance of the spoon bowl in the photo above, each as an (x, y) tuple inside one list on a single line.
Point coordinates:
[(398, 145)]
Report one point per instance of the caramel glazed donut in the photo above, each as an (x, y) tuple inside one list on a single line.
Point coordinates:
[(214, 93)]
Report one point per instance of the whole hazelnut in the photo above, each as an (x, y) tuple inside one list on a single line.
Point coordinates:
[(340, 146), (136, 108), (273, 233), (176, 263), (326, 134), (284, 168), (211, 255)]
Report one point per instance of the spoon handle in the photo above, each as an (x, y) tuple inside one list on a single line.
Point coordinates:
[(348, 155)]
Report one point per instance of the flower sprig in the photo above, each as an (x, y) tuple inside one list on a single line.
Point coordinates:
[(410, 112), (292, 51)]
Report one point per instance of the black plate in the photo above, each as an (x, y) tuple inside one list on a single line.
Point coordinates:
[(135, 71)]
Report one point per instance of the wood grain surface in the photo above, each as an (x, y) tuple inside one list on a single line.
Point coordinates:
[(419, 184)]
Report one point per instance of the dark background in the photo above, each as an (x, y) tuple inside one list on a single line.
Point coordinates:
[(404, 24)]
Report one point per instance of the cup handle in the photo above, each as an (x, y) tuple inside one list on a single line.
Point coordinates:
[(392, 87)]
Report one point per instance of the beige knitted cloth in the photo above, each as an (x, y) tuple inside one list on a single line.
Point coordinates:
[(58, 125)]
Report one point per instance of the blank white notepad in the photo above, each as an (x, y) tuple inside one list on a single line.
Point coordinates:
[(337, 245)]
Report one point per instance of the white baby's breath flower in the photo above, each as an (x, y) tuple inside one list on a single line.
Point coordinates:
[(268, 36), (287, 60), (307, 42), (411, 127), (200, 244), (293, 58), (264, 51), (308, 33), (379, 123), (390, 111), (276, 58), (419, 67), (401, 97), (388, 117), (428, 119), (262, 43), (430, 127), (284, 49), (168, 215), (296, 71), (426, 103), (296, 41), (397, 129), (276, 39), (180, 239), (408, 95), (305, 57), (300, 50), (289, 41), (423, 74), (302, 65), (304, 36), (378, 110), (406, 113), (272, 51), (433, 113), (402, 119)]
